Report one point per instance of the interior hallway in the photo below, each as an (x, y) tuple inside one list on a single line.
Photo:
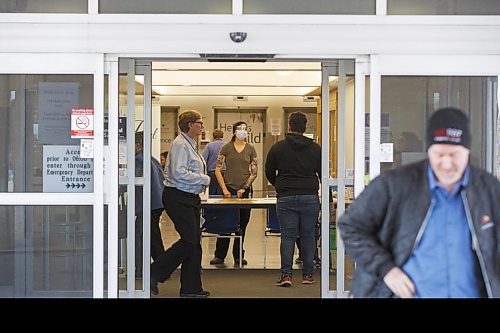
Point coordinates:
[(254, 244), (227, 280)]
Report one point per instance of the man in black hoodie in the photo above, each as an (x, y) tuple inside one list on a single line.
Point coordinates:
[(293, 166)]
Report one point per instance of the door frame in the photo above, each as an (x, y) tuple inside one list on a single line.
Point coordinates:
[(69, 63), (361, 70), (131, 67), (340, 68)]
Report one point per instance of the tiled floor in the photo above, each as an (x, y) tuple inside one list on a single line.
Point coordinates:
[(253, 283), (254, 247), (254, 244)]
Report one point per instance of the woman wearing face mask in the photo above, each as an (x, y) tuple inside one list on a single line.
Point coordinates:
[(240, 158)]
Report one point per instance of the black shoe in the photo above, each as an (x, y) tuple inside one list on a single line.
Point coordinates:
[(154, 287), (243, 261), (216, 261), (200, 294), (298, 261)]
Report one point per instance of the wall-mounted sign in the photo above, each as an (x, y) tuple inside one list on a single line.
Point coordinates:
[(87, 148), (55, 101), (386, 152), (122, 128), (82, 123), (65, 171)]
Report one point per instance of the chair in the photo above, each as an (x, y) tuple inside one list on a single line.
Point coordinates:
[(222, 223), (272, 229)]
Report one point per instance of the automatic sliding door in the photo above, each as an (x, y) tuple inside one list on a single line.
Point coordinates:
[(134, 186), (337, 119)]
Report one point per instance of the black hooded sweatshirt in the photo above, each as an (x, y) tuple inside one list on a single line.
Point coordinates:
[(293, 166)]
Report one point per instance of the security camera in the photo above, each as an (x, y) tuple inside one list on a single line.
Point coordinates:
[(238, 37)]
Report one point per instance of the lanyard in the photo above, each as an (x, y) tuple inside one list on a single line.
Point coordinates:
[(197, 153)]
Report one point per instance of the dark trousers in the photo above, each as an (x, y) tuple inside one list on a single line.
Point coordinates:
[(156, 241), (214, 187), (184, 210), (299, 243), (222, 244)]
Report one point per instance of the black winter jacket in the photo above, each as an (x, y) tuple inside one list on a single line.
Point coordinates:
[(383, 225), (293, 166)]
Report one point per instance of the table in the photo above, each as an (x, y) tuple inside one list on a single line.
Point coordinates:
[(239, 203)]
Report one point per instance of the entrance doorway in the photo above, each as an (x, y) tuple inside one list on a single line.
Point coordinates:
[(263, 95)]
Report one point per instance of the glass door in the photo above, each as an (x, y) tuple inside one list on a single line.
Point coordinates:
[(408, 95), (134, 160), (51, 208), (341, 146)]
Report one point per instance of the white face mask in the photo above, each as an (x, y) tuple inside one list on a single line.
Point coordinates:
[(241, 134)]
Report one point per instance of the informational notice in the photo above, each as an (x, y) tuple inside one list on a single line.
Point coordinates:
[(87, 148), (386, 152), (65, 171), (385, 132), (55, 101), (82, 123)]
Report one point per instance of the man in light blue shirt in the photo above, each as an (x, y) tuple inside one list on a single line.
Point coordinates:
[(185, 178)]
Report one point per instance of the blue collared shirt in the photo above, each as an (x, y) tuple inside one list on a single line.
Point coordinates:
[(185, 168), (442, 264), (211, 153), (156, 182)]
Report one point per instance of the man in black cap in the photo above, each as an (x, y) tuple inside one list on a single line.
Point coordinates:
[(428, 229)]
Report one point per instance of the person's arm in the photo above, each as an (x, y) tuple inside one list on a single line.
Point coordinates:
[(270, 166), (218, 174), (253, 173), (361, 222), (318, 166)]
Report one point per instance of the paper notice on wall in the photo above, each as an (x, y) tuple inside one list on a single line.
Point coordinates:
[(55, 101), (87, 148), (386, 152)]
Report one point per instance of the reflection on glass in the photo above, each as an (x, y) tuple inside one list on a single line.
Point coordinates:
[(319, 7), (35, 113), (443, 7), (44, 6), (408, 101), (166, 7), (46, 251)]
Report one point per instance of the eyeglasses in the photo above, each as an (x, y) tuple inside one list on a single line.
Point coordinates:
[(198, 122)]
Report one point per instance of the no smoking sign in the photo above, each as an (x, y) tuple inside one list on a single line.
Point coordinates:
[(82, 123)]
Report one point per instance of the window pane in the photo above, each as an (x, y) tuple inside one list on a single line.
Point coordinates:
[(37, 153), (408, 101), (443, 7), (44, 6), (166, 7), (497, 145), (46, 251), (352, 7)]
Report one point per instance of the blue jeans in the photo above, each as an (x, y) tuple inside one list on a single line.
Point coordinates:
[(297, 215)]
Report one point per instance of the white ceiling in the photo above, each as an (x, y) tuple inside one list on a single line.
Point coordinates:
[(235, 79)]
